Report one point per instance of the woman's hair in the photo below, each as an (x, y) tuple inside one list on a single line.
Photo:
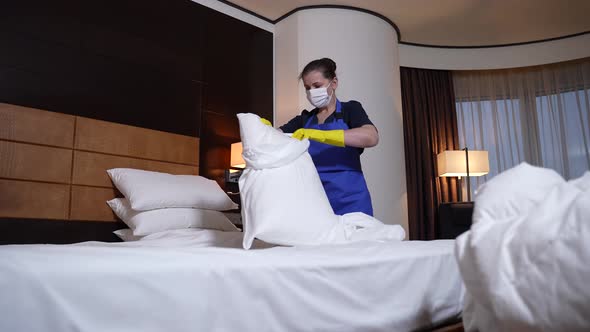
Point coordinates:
[(325, 66)]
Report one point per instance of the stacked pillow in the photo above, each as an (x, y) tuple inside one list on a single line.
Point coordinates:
[(156, 202)]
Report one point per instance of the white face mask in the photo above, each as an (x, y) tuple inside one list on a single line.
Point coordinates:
[(319, 97)]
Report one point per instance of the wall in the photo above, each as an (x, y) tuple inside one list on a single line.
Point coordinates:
[(495, 57), (170, 65), (368, 71)]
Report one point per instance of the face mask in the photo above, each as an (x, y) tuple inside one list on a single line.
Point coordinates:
[(319, 97)]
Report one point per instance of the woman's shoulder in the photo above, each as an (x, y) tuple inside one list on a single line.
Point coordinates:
[(351, 105)]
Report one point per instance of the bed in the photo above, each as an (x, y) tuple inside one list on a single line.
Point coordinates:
[(202, 278), (184, 279)]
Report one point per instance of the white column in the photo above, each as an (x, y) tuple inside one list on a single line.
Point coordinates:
[(365, 50)]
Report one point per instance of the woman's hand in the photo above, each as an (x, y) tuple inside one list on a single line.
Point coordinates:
[(332, 137), (362, 137)]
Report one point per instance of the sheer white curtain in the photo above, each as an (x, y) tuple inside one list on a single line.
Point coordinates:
[(537, 114)]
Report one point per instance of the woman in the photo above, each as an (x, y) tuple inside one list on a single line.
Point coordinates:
[(338, 133)]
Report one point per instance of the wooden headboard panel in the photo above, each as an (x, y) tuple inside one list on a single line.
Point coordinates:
[(53, 165)]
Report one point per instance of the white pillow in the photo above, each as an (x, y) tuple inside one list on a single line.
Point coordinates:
[(283, 200), (153, 221), (126, 235), (502, 197), (525, 266), (147, 190)]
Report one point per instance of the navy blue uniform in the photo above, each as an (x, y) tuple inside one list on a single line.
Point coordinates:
[(353, 114), (339, 168)]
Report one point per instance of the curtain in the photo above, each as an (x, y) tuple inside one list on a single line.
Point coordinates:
[(430, 127), (538, 115)]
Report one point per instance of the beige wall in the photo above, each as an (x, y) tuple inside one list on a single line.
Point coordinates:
[(365, 50), (495, 57)]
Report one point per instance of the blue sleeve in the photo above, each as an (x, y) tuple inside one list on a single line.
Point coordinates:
[(357, 117), (295, 123)]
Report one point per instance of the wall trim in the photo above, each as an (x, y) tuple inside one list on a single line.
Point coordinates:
[(390, 22), (362, 10), (248, 11), (497, 45)]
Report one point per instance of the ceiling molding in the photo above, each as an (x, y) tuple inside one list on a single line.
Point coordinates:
[(496, 45), (390, 22), (362, 10), (398, 31), (231, 4)]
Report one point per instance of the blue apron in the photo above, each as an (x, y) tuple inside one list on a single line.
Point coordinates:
[(340, 170)]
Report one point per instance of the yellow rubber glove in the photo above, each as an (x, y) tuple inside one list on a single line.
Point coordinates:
[(332, 137), (265, 121)]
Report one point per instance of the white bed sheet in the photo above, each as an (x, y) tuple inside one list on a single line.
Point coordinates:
[(175, 281)]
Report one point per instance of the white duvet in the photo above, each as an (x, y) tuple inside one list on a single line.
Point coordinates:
[(526, 260), (174, 281)]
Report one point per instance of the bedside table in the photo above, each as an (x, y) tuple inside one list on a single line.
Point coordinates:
[(454, 219)]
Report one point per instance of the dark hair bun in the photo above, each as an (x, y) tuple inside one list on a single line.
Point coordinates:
[(330, 64), (326, 66)]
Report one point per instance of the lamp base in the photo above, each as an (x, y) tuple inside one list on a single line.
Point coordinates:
[(232, 175)]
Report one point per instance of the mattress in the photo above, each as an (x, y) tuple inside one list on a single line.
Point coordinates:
[(199, 280)]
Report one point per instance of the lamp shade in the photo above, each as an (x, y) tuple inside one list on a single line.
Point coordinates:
[(453, 163), (236, 159)]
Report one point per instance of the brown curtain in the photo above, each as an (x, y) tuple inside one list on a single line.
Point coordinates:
[(430, 127)]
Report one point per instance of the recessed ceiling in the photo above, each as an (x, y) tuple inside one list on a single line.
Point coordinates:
[(459, 23)]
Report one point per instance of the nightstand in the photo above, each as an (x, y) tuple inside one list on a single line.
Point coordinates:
[(454, 219)]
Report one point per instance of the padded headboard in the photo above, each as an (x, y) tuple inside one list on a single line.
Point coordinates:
[(53, 166)]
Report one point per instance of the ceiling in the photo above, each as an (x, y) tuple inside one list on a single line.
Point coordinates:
[(458, 23)]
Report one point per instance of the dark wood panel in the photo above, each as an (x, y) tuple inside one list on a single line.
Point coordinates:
[(163, 34), (43, 91), (57, 20), (219, 124), (172, 23), (127, 48), (132, 94), (242, 49), (31, 54), (239, 79), (260, 85), (219, 132)]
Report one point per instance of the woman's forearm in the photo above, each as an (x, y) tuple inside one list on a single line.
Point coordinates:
[(361, 137)]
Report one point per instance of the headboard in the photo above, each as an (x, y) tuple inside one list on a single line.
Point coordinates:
[(53, 166)]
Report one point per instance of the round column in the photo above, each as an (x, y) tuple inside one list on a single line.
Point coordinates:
[(365, 50)]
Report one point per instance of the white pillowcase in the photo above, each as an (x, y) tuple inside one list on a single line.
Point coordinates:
[(154, 221), (283, 200), (502, 197), (147, 190), (524, 261), (126, 235)]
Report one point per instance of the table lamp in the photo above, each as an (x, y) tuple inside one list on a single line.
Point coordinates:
[(237, 163), (463, 163)]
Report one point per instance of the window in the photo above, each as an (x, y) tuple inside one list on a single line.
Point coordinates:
[(539, 115)]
